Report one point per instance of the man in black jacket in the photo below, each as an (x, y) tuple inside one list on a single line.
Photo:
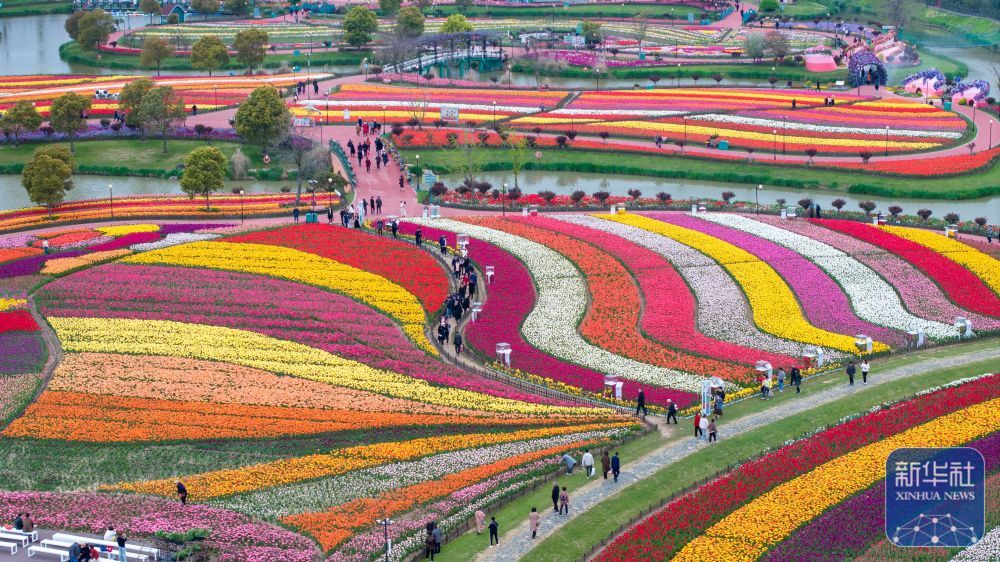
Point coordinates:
[(555, 497)]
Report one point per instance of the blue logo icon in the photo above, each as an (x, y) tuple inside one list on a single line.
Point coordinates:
[(935, 497)]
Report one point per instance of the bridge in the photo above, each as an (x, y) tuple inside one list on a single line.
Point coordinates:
[(452, 54)]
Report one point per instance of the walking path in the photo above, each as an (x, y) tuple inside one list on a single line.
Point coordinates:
[(517, 542)]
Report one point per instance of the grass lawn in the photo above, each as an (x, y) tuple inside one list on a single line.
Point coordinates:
[(131, 153), (956, 187), (929, 59), (588, 528), (72, 52), (574, 11), (15, 8), (802, 9)]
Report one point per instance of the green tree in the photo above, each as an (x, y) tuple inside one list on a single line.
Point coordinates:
[(66, 115), (159, 109), (250, 45), (409, 23), (204, 172), (389, 7), (94, 29), (360, 24), (591, 32), (754, 45), (263, 118), (517, 149), (72, 24), (21, 118), (154, 50), (46, 177), (239, 7), (131, 98), (769, 5), (462, 5), (150, 7), (205, 6), (456, 23), (209, 53)]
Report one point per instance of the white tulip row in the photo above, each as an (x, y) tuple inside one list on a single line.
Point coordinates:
[(874, 299), (624, 112), (986, 549), (562, 301), (796, 126), (173, 239)]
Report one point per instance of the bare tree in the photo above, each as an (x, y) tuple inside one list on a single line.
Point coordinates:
[(897, 11)]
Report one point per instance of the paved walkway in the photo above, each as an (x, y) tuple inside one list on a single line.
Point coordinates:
[(517, 541)]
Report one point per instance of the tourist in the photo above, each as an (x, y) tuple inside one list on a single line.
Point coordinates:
[(711, 431), (794, 103), (295, 214), (671, 411), (605, 464), (364, 206), (563, 501), (364, 129), (865, 367), (436, 534), (588, 463), (458, 342), (781, 379), (555, 497), (494, 531), (533, 522), (378, 204), (380, 224), (443, 243), (480, 521), (719, 401), (28, 525), (121, 540), (640, 404), (616, 466), (401, 182), (697, 424), (797, 378), (851, 369), (350, 146), (194, 110), (182, 493), (442, 331), (110, 534), (385, 159), (75, 550), (990, 234), (763, 388), (703, 426), (418, 236), (368, 165), (429, 547), (45, 246), (378, 162), (569, 461), (19, 522), (329, 215)]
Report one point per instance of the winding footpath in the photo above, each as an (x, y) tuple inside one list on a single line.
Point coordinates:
[(517, 542)]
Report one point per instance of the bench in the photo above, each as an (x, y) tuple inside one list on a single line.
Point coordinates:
[(32, 535), (50, 543), (142, 552), (12, 547), (839, 83), (23, 539), (62, 554)]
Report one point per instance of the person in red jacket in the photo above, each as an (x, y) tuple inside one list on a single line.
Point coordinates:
[(697, 426)]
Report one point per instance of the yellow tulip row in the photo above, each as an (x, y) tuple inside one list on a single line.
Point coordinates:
[(122, 230), (295, 265), (775, 308), (984, 266), (10, 304), (748, 532), (250, 349), (219, 483)]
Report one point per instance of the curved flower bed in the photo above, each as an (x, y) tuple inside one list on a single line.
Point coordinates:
[(679, 523), (959, 283), (723, 312), (985, 267), (871, 296), (919, 293), (562, 301), (775, 307), (612, 317)]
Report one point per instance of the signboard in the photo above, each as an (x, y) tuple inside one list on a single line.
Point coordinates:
[(934, 497), (347, 114), (449, 113), (575, 40)]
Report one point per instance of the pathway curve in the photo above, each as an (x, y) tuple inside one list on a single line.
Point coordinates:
[(517, 542)]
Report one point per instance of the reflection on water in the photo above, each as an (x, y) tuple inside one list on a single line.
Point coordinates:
[(564, 183), (13, 195)]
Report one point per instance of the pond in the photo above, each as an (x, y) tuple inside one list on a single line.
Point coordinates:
[(13, 195), (564, 183)]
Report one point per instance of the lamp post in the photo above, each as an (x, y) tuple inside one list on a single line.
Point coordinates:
[(111, 200), (886, 140), (494, 113), (597, 78), (503, 202), (329, 190), (678, 75), (774, 144), (308, 72), (417, 158), (756, 199), (241, 206), (312, 186), (385, 534)]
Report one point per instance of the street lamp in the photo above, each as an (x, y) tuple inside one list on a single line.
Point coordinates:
[(385, 534), (756, 198), (417, 157), (241, 206), (503, 202), (774, 144), (329, 190), (678, 75), (111, 200), (886, 140), (597, 78), (312, 186)]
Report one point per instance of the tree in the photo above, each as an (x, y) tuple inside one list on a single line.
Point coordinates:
[(951, 218), (21, 118), (754, 46), (577, 196), (159, 109), (307, 162), (154, 50), (409, 23), (601, 196), (805, 203), (131, 98), (718, 78), (462, 5), (604, 136), (239, 164), (897, 11), (867, 207), (72, 24), (389, 7), (250, 47), (981, 221), (209, 53), (205, 6), (456, 23), (776, 44), (66, 115), (94, 29), (635, 194), (46, 177), (663, 196), (811, 153), (838, 204), (263, 118), (728, 196), (547, 196), (517, 148), (865, 156), (236, 6), (591, 32), (360, 24), (204, 170), (769, 5), (895, 210), (925, 214), (150, 7)]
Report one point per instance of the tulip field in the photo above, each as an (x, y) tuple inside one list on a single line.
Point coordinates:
[(280, 35)]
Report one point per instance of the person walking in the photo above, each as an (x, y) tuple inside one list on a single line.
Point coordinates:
[(697, 424), (640, 404), (329, 215), (563, 501), (990, 234), (865, 367), (781, 379), (494, 531), (458, 342), (429, 545), (401, 182), (703, 425), (378, 204), (605, 464), (368, 165), (711, 431), (797, 379), (182, 492), (295, 214), (533, 522), (418, 236), (616, 466), (402, 208), (443, 243), (588, 463), (555, 497), (371, 205), (671, 411), (851, 370)]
